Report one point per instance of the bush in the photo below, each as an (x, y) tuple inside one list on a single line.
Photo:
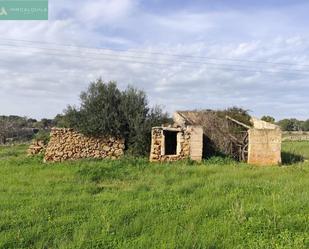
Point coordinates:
[(268, 119), (220, 160), (100, 111), (107, 111), (43, 135), (237, 113)]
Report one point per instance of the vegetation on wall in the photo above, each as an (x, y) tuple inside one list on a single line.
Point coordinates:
[(222, 135), (237, 113)]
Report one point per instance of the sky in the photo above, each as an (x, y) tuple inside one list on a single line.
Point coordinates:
[(199, 54)]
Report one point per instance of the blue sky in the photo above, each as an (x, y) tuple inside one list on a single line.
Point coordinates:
[(253, 54)]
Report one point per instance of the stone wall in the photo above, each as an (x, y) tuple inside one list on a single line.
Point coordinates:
[(264, 146), (66, 144), (36, 147), (196, 142), (189, 144), (295, 136)]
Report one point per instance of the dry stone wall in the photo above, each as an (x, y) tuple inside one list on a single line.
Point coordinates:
[(295, 136), (66, 144), (36, 147)]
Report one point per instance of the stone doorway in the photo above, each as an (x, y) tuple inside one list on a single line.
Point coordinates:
[(170, 142)]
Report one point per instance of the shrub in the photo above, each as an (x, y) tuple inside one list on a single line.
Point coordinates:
[(220, 160), (237, 113), (107, 111), (268, 119), (43, 135)]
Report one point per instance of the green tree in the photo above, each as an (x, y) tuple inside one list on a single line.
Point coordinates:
[(59, 120), (10, 125), (291, 124), (31, 122), (268, 119), (44, 124), (306, 125), (135, 109), (237, 113), (107, 111), (100, 111), (155, 117)]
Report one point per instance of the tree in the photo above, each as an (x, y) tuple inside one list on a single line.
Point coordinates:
[(306, 125), (59, 120), (155, 117), (237, 113), (9, 125), (139, 119), (268, 119), (44, 124), (134, 106), (31, 121), (107, 111), (290, 124), (5, 126), (100, 111)]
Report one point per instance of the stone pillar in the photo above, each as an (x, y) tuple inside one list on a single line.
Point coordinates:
[(264, 146), (196, 143)]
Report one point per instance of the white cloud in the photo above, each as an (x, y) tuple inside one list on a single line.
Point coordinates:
[(42, 84), (183, 22), (104, 11)]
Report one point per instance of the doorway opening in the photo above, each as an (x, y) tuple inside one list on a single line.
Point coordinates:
[(170, 138)]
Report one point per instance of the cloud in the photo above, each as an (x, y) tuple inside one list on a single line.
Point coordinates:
[(104, 11), (41, 82), (183, 21)]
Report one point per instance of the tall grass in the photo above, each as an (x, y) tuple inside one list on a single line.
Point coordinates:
[(131, 203), (300, 148)]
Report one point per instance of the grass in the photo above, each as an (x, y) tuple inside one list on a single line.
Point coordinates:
[(297, 148), (131, 203)]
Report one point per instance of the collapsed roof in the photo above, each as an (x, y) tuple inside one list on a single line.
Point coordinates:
[(223, 135)]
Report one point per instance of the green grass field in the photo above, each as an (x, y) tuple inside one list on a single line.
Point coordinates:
[(131, 203), (298, 148)]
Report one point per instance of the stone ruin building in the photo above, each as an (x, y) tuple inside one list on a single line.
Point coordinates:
[(172, 144), (199, 134)]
